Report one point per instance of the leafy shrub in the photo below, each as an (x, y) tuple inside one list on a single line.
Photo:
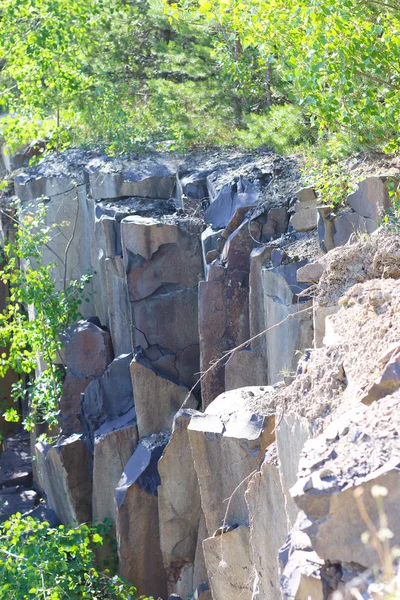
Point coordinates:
[(41, 562)]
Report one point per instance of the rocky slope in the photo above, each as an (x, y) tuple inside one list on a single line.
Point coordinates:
[(240, 379)]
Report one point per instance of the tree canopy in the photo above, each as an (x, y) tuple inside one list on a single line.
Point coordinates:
[(126, 74)]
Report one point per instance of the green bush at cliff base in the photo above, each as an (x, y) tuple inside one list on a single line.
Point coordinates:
[(41, 562)]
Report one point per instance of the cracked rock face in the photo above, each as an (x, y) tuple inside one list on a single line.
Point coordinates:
[(163, 263), (356, 452)]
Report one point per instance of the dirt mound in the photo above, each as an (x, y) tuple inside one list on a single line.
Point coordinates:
[(375, 258)]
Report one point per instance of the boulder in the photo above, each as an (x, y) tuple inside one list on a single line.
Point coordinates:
[(349, 471), (349, 223), (371, 198), (239, 193), (157, 397), (145, 178), (228, 441), (229, 564), (65, 471), (108, 398), (138, 537), (268, 527), (179, 507), (306, 214), (88, 353)]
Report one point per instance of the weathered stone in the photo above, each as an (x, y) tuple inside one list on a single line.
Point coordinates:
[(199, 569), (88, 352), (238, 247), (326, 228), (389, 379), (229, 564), (138, 538), (268, 529), (143, 236), (287, 340), (239, 371), (109, 397), (194, 185), (335, 469), (157, 398), (310, 273), (229, 438), (292, 433), (276, 223), (114, 444), (350, 222), (301, 568), (147, 178), (238, 194), (223, 324), (118, 306), (306, 214), (65, 470), (371, 199), (179, 507)]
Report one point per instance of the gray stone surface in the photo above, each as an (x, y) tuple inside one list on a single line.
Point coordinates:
[(138, 537), (157, 397), (371, 199), (179, 507), (145, 178), (109, 397), (229, 564), (305, 216), (114, 444), (88, 352), (285, 342), (350, 223), (65, 471), (118, 306), (340, 470), (227, 442), (268, 529), (230, 197), (292, 433)]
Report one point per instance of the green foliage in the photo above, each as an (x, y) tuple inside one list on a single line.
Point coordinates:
[(35, 316), (391, 219), (40, 562), (330, 179)]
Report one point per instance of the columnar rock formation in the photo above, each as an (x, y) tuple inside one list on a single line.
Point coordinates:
[(238, 382)]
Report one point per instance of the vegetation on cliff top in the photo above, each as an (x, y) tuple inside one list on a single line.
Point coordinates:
[(128, 74)]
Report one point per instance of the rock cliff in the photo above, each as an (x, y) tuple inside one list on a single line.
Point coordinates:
[(231, 394)]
